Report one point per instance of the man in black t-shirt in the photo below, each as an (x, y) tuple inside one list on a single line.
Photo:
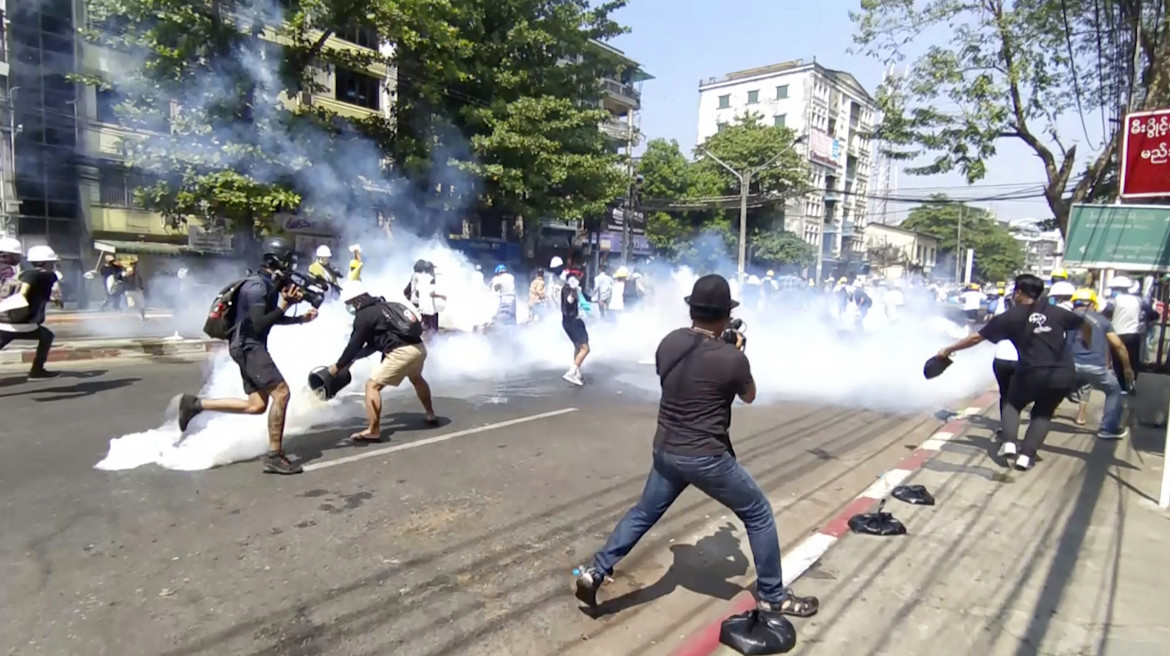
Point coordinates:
[(701, 375), (36, 286), (1045, 373)]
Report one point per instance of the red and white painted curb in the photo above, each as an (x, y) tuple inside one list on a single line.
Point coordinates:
[(804, 555), (104, 350)]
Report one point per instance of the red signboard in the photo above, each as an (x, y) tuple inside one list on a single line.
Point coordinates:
[(1145, 155)]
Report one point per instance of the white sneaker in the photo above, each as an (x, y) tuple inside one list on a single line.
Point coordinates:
[(574, 377), (1023, 463), (1007, 449), (1106, 435)]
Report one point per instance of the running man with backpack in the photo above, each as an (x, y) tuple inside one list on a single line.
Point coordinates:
[(395, 331), (244, 313)]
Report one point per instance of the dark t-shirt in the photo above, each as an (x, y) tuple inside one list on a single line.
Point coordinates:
[(257, 291), (694, 413), (1040, 335), (40, 290)]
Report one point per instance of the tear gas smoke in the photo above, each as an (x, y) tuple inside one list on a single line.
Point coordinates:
[(795, 356)]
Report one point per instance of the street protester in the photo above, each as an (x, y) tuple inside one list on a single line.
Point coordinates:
[(262, 300), (394, 331), (1045, 373), (1128, 313), (1003, 366), (22, 314), (503, 284), (1094, 368), (603, 291), (701, 375), (134, 289), (574, 325), (11, 252), (537, 295), (355, 262)]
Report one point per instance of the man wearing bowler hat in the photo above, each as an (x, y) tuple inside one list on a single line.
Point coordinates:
[(701, 374)]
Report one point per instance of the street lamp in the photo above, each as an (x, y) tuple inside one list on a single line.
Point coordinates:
[(745, 179)]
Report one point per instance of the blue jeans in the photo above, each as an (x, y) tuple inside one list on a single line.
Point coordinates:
[(719, 477), (1106, 381)]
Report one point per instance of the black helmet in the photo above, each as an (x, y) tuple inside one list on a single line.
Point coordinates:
[(278, 254)]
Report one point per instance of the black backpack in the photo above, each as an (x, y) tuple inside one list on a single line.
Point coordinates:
[(402, 320), (221, 318)]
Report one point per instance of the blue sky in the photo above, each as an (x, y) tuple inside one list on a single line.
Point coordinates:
[(681, 41)]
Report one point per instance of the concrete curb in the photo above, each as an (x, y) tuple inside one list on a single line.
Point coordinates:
[(804, 555), (107, 349)]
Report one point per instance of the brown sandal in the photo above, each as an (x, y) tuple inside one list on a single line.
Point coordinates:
[(799, 606)]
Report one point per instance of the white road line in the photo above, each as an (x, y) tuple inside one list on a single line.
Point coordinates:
[(935, 443), (373, 453)]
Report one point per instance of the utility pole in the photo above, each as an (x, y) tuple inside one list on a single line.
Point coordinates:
[(959, 247), (745, 180)]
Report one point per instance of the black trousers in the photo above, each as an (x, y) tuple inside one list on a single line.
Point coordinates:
[(42, 335), (1003, 370), (1133, 347)]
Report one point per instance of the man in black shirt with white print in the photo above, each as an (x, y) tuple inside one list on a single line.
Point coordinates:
[(1045, 373), (701, 375)]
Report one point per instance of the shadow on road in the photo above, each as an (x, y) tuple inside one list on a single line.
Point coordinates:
[(313, 446), (75, 391), (703, 567)]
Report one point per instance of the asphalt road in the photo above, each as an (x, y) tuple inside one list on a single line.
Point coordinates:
[(460, 546)]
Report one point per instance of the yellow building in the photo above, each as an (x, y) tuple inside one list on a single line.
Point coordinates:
[(107, 202)]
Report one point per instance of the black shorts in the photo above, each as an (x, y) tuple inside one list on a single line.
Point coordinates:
[(257, 369), (575, 329), (430, 322)]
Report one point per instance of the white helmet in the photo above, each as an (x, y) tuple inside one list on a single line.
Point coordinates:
[(11, 245), (352, 290), (323, 251), (41, 254), (1062, 288), (1120, 282), (556, 262)]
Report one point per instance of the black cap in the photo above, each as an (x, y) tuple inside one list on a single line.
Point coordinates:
[(712, 292)]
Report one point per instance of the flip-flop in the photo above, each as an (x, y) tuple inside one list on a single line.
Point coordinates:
[(365, 439)]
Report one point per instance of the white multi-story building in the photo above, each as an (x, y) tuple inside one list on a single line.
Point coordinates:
[(837, 114), (1043, 250)]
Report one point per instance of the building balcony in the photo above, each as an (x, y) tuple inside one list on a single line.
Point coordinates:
[(619, 130), (621, 94), (832, 196)]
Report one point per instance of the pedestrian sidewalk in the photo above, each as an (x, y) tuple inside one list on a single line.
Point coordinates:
[(1069, 558), (70, 316), (18, 353)]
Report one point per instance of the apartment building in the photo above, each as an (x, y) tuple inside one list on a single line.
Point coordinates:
[(107, 187), (1043, 250), (837, 114)]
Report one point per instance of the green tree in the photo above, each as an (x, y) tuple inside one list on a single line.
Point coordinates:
[(686, 200), (778, 248), (997, 253), (520, 82), (1009, 70)]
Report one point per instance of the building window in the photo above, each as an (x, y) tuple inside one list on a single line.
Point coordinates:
[(107, 100), (779, 120), (116, 188), (782, 92), (719, 127), (357, 88), (724, 102), (753, 97), (361, 35)]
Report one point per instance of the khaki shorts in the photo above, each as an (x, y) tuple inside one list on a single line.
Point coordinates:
[(400, 364)]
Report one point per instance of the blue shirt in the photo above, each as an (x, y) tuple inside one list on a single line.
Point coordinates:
[(1097, 355)]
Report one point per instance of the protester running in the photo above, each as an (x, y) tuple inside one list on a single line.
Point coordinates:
[(574, 325), (1045, 373), (262, 300), (701, 375), (23, 312), (1093, 366)]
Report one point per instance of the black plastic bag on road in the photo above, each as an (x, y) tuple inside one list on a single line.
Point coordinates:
[(913, 494), (758, 634), (876, 523)]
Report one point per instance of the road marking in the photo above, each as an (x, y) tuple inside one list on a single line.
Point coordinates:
[(434, 440), (886, 483)]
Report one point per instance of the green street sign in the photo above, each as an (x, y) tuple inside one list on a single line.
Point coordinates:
[(1124, 237)]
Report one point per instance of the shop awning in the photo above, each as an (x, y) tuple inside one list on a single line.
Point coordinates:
[(154, 248)]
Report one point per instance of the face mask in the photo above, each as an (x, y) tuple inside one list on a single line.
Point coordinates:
[(350, 309), (574, 283)]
